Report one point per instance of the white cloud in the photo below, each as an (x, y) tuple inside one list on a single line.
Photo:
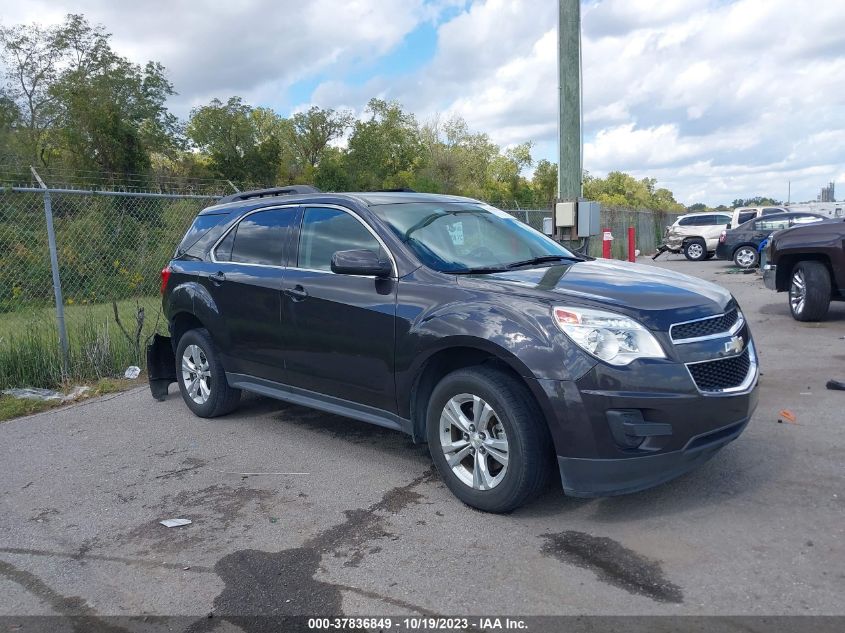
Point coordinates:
[(716, 99)]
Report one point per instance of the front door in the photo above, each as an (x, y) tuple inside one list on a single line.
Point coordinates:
[(246, 281), (341, 326)]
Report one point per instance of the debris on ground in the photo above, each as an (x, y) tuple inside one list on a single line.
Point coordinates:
[(33, 393), (787, 415), (132, 372), (835, 385), (175, 522)]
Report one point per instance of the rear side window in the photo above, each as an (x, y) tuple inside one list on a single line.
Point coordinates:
[(326, 231), (259, 238), (771, 210), (721, 219), (772, 225), (200, 226), (690, 221)]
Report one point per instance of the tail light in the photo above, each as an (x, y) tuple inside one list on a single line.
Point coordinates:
[(165, 277), (722, 236)]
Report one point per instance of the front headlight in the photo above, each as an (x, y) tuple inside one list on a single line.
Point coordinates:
[(613, 338)]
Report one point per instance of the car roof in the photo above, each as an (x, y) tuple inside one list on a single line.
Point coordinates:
[(367, 198), (698, 213)]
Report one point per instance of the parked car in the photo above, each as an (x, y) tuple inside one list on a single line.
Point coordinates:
[(741, 215), (448, 319), (809, 263), (696, 235), (742, 244)]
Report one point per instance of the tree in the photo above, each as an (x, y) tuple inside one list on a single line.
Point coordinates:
[(311, 132), (622, 189), (243, 143), (32, 58), (545, 182), (384, 149), (76, 96)]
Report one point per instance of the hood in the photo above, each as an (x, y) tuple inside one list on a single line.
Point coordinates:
[(654, 296)]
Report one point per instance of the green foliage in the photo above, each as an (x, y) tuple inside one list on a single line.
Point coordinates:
[(757, 201), (243, 143), (621, 189)]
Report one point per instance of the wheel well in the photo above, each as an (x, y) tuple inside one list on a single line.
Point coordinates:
[(693, 238), (439, 365), (786, 264), (180, 324)]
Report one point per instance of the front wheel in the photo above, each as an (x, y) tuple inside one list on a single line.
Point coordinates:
[(202, 379), (746, 257), (809, 291), (695, 250), (487, 441)]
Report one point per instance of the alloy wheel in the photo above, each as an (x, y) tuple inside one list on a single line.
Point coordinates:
[(798, 292), (474, 441), (196, 374), (695, 251), (745, 257)]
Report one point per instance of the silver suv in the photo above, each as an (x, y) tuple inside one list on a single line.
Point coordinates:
[(696, 235)]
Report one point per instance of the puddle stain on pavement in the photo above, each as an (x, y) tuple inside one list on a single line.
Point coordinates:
[(263, 586), (613, 564)]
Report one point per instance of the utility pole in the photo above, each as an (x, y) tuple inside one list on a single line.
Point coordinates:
[(569, 104)]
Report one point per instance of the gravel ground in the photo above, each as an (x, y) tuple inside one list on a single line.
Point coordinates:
[(335, 516)]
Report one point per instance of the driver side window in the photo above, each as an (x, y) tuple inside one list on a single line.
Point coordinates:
[(326, 231)]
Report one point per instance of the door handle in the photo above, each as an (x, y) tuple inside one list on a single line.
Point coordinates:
[(218, 277), (297, 293)]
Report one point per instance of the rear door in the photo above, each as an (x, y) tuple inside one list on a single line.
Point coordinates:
[(245, 278), (341, 326)]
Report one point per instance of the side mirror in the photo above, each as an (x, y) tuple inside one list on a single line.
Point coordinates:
[(360, 262)]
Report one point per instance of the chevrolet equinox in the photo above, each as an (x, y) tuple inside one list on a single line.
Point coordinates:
[(447, 319)]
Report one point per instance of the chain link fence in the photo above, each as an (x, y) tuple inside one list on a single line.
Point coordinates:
[(110, 247)]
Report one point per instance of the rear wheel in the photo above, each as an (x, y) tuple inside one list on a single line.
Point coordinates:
[(809, 291), (695, 250), (202, 379), (746, 257), (486, 439)]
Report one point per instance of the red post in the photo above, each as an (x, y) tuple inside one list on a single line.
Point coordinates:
[(605, 243), (632, 244)]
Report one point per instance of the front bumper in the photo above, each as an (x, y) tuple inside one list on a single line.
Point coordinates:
[(770, 272), (607, 477), (623, 430)]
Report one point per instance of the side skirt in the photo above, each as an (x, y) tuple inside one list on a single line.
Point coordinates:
[(314, 400)]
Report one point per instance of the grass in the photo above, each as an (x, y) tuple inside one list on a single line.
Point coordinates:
[(98, 349), (11, 408)]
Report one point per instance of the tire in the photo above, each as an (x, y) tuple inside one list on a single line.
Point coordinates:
[(695, 250), (513, 427), (809, 291), (746, 257), (214, 397)]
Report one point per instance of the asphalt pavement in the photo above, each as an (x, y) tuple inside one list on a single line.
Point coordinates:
[(298, 512)]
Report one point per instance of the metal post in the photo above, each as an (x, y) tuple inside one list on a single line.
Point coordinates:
[(54, 265), (569, 94)]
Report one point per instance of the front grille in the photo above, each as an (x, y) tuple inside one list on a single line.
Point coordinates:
[(704, 327), (725, 373)]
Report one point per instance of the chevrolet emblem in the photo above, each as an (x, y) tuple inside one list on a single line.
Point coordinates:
[(736, 345)]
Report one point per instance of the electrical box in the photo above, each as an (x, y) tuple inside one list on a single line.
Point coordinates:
[(589, 213), (565, 214), (549, 226)]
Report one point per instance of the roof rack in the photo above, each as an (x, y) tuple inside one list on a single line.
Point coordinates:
[(269, 193)]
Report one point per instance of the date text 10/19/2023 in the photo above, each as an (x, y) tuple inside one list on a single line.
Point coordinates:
[(417, 623)]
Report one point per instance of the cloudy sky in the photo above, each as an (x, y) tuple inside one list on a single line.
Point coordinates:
[(717, 99)]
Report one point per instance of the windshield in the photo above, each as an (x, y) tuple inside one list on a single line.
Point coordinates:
[(468, 237)]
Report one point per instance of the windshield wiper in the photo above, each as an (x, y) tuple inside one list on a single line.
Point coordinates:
[(544, 258)]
